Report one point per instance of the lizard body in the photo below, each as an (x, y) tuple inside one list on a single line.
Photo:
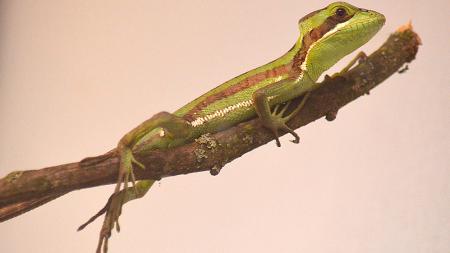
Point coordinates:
[(326, 35)]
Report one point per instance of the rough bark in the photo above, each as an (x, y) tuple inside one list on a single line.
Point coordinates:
[(22, 191)]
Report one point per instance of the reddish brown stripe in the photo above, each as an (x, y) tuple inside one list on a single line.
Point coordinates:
[(292, 68), (246, 83), (314, 35)]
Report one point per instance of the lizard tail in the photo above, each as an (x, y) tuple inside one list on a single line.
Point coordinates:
[(98, 214), (89, 161)]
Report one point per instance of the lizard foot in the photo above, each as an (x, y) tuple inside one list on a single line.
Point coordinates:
[(126, 173), (113, 209), (359, 58), (277, 122)]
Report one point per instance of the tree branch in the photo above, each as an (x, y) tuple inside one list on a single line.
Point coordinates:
[(22, 191)]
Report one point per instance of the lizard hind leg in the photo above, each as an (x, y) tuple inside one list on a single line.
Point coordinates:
[(158, 132), (155, 133), (113, 210)]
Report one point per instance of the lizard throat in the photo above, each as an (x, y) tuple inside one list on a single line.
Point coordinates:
[(310, 39)]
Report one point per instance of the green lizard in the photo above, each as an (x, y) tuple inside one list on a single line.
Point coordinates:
[(326, 35)]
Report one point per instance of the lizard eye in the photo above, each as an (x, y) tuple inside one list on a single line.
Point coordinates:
[(341, 12)]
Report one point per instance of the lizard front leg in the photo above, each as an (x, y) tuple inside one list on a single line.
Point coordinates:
[(276, 120), (360, 57)]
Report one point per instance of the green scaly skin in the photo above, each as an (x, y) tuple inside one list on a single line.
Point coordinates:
[(326, 36)]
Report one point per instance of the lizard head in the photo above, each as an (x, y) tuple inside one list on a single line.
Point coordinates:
[(330, 33)]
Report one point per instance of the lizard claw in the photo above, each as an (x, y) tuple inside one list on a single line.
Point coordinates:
[(278, 122), (296, 139), (277, 139), (114, 210), (283, 127)]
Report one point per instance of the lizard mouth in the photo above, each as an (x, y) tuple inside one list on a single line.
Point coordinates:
[(363, 28), (362, 25)]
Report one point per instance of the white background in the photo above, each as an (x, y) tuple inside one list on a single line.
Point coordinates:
[(72, 74)]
